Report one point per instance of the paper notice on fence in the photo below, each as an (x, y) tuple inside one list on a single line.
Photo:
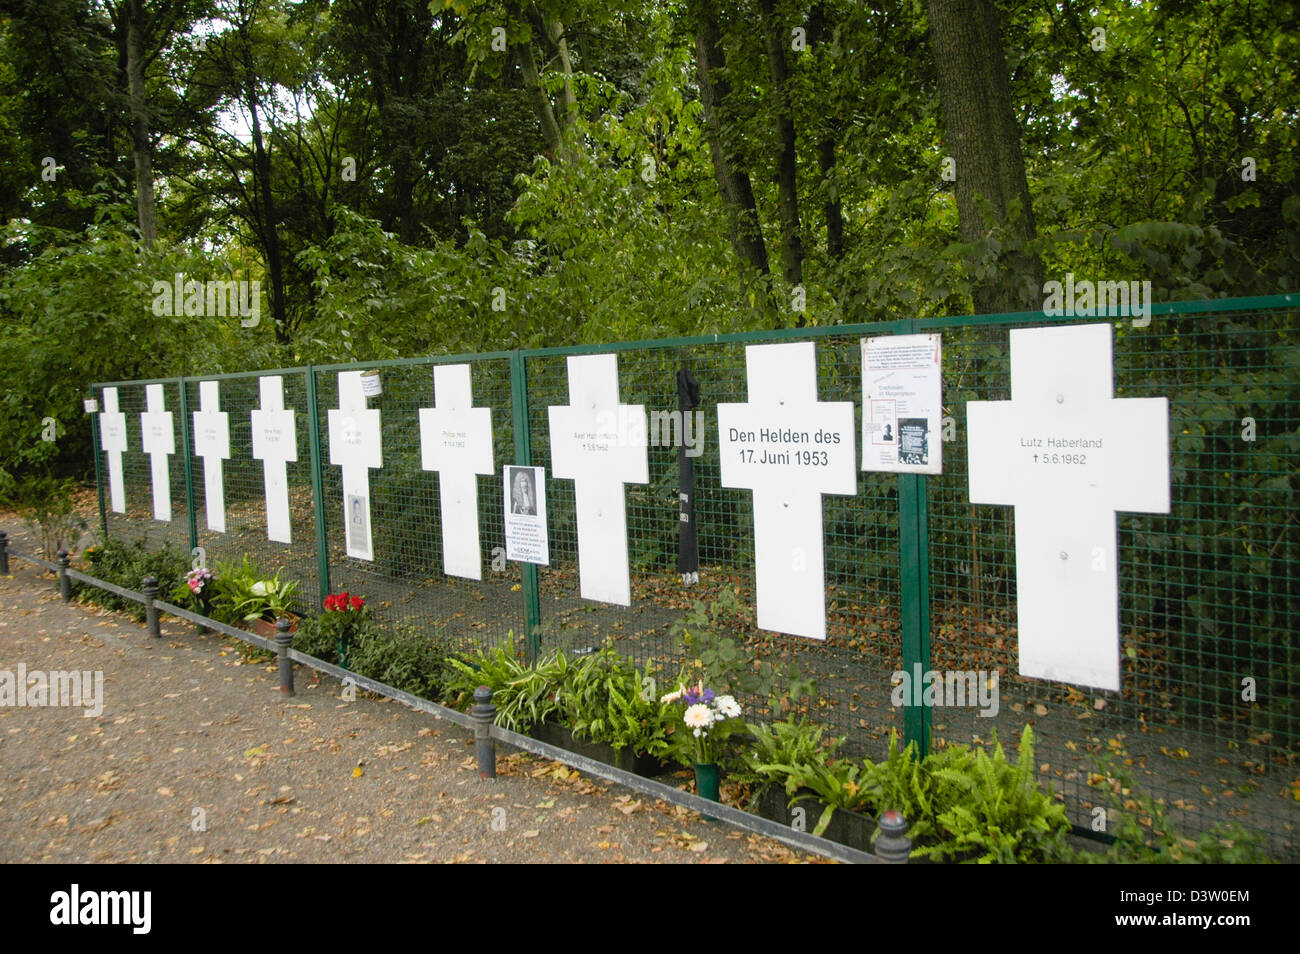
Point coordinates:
[(526, 539), (902, 404)]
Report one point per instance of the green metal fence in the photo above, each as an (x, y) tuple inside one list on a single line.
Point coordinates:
[(1208, 718)]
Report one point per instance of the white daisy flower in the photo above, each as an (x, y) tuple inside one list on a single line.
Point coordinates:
[(698, 716), (728, 706)]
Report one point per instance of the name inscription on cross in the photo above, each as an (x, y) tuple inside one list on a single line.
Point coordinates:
[(112, 438), (158, 439), (1067, 455), (788, 448), (275, 444), (456, 441), (212, 443), (600, 445), (356, 445)]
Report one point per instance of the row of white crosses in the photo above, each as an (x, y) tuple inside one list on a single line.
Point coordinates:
[(456, 442), (1065, 514)]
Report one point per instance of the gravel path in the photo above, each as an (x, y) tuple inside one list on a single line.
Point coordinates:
[(197, 758)]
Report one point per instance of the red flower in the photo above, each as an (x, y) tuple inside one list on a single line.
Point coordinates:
[(357, 602)]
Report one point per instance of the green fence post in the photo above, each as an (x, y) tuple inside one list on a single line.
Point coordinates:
[(524, 457), (914, 585), (99, 471), (317, 485), (189, 465), (914, 577)]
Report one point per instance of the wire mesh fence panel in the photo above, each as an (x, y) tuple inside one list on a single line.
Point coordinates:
[(405, 583), (851, 668), (1207, 717), (140, 520), (915, 573), (267, 504)]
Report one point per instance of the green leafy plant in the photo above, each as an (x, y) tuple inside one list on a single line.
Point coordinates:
[(244, 594), (127, 564), (404, 657), (991, 809), (605, 698), (721, 660), (525, 696), (773, 747)]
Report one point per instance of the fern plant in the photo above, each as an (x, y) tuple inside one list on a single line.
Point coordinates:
[(991, 810)]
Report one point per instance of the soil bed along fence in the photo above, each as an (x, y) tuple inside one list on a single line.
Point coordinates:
[(891, 847), (917, 577)]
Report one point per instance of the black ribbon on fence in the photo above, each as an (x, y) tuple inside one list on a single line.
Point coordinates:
[(688, 547)]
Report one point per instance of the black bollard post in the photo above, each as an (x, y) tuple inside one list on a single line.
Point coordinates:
[(283, 638), (150, 590), (893, 846), (4, 553), (484, 713), (65, 581)]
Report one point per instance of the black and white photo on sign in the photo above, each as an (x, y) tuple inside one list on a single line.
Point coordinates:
[(358, 514), (523, 491), (525, 515)]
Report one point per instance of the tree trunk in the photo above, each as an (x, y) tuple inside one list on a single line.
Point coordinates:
[(270, 231), (833, 210), (985, 142), (555, 30), (733, 181), (786, 175), (140, 149)]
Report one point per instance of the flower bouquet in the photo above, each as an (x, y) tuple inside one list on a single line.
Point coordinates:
[(344, 617), (195, 593), (709, 719)]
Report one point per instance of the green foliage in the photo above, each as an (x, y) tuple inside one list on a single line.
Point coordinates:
[(525, 696), (1145, 834), (127, 564), (243, 593), (404, 657), (722, 661), (605, 698), (45, 503), (990, 809), (961, 804)]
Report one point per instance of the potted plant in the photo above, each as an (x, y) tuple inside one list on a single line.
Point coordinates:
[(708, 719), (342, 622), (245, 596)]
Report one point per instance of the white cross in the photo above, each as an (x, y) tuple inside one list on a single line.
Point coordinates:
[(1066, 496), (112, 438), (775, 446), (212, 443), (275, 443), (456, 441), (600, 445), (158, 438), (356, 445)]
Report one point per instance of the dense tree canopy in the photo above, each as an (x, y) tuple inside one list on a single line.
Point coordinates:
[(405, 176)]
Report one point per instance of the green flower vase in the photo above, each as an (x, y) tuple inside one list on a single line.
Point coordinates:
[(706, 780)]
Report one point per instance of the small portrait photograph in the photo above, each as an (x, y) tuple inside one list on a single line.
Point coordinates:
[(358, 519), (888, 436), (523, 491)]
